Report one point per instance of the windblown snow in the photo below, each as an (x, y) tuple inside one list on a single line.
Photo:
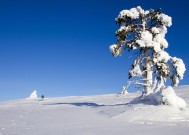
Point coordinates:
[(94, 115)]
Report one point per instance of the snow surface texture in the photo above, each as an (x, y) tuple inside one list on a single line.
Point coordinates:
[(94, 115), (33, 95)]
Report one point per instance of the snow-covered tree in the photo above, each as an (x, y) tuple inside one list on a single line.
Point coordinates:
[(144, 31), (33, 95)]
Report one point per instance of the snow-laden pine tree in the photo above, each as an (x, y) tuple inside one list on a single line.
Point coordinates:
[(144, 31), (33, 95)]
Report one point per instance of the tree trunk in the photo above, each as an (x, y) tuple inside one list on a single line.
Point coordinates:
[(147, 74)]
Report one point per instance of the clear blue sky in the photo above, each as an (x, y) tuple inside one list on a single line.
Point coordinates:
[(61, 47)]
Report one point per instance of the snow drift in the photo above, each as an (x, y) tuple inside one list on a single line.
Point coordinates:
[(168, 96)]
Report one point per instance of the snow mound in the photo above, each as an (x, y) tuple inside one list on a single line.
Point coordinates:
[(33, 95), (168, 96)]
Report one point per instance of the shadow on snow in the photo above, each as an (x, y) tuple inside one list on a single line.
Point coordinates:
[(137, 100), (86, 104)]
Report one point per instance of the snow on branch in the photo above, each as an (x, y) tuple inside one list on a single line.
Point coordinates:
[(180, 69), (165, 19)]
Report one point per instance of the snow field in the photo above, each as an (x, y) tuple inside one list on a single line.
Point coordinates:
[(92, 115)]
